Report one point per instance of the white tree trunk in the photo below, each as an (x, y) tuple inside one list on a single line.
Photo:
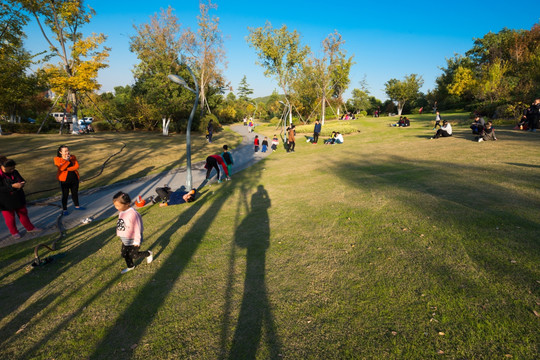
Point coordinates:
[(166, 123), (323, 110)]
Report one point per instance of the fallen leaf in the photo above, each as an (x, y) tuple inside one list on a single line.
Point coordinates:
[(441, 333), (536, 313), (513, 261), (421, 235), (508, 355), (440, 352), (394, 333), (133, 346), (21, 329)]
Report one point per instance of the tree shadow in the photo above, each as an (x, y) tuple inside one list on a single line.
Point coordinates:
[(40, 278), (253, 233), (454, 196), (131, 325)]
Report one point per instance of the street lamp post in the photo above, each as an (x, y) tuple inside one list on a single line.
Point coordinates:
[(178, 80)]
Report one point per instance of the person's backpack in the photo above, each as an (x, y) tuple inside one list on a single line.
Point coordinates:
[(227, 157)]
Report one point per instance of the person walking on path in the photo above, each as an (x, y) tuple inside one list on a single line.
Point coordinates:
[(210, 130), (275, 143), (129, 228), (316, 131), (12, 198), (291, 138), (68, 176), (227, 157)]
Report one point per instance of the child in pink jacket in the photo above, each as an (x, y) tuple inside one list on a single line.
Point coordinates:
[(130, 230)]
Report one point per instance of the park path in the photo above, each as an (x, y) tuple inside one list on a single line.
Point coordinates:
[(98, 201)]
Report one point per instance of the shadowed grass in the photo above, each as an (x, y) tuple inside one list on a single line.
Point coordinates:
[(388, 246)]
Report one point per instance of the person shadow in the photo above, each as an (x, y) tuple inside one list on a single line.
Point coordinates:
[(253, 233)]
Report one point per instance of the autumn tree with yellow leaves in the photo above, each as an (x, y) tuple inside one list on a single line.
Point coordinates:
[(80, 58)]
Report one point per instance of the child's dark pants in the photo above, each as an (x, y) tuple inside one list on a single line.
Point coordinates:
[(131, 253)]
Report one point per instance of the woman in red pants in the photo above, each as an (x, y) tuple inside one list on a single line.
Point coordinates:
[(12, 199)]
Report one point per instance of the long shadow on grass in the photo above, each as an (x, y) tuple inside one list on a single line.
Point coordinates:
[(464, 199), (133, 322), (253, 233), (40, 279)]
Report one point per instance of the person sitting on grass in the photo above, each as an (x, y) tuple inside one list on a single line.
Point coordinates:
[(399, 123), (168, 197), (523, 124), (129, 228), (331, 140), (444, 131), (406, 122), (488, 133), (478, 125), (338, 138)]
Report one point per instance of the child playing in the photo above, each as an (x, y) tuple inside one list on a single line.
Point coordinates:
[(256, 143), (264, 144), (227, 157), (275, 142), (130, 230)]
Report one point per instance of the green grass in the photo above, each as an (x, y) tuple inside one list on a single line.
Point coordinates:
[(388, 246), (144, 154)]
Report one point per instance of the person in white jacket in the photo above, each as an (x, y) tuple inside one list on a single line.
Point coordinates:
[(129, 228), (444, 131)]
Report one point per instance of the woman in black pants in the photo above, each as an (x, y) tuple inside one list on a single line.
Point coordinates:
[(68, 175)]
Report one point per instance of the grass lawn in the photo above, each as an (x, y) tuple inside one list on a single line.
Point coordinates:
[(143, 154), (388, 246)]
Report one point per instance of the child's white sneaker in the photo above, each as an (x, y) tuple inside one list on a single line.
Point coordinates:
[(150, 257), (127, 269)]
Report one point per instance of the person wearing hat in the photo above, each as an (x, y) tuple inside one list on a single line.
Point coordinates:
[(444, 131)]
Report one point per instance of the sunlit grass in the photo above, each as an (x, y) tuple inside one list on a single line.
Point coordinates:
[(388, 246)]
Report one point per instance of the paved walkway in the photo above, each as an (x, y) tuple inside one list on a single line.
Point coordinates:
[(98, 202)]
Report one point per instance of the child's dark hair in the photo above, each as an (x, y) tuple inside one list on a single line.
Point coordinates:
[(7, 162), (3, 159), (60, 149), (122, 198), (225, 147), (256, 136)]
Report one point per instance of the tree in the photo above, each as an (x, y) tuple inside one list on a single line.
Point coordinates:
[(280, 53), (80, 58), (243, 90), (403, 91), (17, 88), (328, 70), (157, 45), (206, 52), (360, 100)]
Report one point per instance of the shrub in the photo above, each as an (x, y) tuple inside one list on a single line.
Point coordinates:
[(362, 113), (203, 124), (274, 121), (227, 114), (22, 128), (102, 126)]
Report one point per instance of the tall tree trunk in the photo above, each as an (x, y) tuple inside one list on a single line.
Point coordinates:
[(323, 110)]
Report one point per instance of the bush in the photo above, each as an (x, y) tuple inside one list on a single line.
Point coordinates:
[(227, 114), (274, 120), (22, 128), (102, 126), (203, 124), (362, 113)]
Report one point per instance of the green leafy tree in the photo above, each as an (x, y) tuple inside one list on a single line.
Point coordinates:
[(404, 90), (17, 88), (280, 53), (157, 45)]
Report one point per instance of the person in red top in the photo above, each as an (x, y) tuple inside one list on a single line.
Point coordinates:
[(212, 162), (68, 175), (256, 143)]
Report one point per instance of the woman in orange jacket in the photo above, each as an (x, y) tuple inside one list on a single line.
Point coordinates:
[(68, 175)]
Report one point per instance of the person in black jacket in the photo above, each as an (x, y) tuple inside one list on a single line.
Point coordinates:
[(12, 198), (533, 115)]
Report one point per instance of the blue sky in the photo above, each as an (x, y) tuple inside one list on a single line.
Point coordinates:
[(388, 39)]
